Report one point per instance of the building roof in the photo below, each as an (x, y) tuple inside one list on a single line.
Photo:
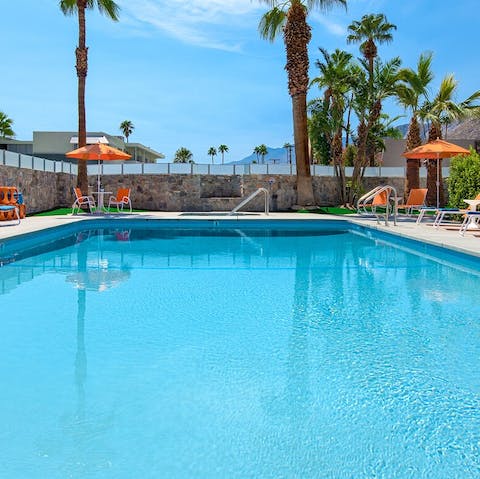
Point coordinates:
[(152, 152), (91, 140)]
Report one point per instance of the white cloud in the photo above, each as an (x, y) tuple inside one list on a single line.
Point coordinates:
[(192, 21), (331, 26), (206, 23)]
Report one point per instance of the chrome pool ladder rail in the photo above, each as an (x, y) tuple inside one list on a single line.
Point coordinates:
[(250, 198), (389, 209)]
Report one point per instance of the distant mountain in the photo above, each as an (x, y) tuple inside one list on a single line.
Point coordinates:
[(466, 130), (403, 129), (274, 155)]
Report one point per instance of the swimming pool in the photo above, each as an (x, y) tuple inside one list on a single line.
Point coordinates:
[(207, 351)]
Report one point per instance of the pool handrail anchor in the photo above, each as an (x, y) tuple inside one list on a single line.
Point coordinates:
[(250, 198), (366, 199)]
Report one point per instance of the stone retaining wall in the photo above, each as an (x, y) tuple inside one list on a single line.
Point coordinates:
[(42, 190), (202, 193), (215, 192)]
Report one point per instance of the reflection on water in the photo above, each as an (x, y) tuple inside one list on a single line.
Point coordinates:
[(326, 352)]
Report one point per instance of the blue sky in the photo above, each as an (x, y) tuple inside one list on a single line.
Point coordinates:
[(195, 73)]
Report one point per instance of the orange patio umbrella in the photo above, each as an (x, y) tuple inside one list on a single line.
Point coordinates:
[(434, 150), (98, 151)]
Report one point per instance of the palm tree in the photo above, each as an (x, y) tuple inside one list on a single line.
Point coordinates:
[(336, 79), (6, 126), (127, 127), (443, 109), (79, 7), (183, 155), (223, 149), (371, 30), (411, 91), (256, 150), (212, 151), (368, 107), (288, 147), (290, 16), (262, 150)]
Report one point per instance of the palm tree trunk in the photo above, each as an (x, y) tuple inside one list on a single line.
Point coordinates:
[(434, 168), (297, 35), (304, 179), (82, 67), (347, 132), (336, 150), (412, 176)]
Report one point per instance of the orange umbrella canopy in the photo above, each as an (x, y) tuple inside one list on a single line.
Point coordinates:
[(98, 151), (435, 149)]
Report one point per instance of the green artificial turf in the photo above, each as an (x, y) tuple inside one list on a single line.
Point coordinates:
[(324, 210), (329, 210), (68, 211)]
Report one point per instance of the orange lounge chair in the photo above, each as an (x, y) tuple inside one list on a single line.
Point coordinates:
[(415, 201), (11, 204), (122, 199), (82, 200), (10, 212)]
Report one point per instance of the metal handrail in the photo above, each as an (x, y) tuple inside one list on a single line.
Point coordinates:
[(368, 197), (249, 198)]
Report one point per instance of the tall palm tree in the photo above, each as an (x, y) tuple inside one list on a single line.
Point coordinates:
[(368, 107), (223, 149), (371, 30), (79, 7), (443, 109), (127, 127), (183, 155), (335, 78), (288, 147), (290, 17), (212, 151), (411, 91), (6, 126)]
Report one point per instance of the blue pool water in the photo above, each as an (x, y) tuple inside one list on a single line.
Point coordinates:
[(238, 353)]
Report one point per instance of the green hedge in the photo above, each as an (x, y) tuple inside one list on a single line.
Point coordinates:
[(464, 179)]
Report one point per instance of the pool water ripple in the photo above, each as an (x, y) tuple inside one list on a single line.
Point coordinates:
[(235, 354)]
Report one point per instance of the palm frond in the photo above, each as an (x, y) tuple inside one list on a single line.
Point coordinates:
[(271, 23)]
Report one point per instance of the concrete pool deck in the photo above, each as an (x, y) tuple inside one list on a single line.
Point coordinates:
[(447, 237)]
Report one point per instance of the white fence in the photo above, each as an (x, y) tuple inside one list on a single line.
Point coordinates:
[(18, 160), (9, 158)]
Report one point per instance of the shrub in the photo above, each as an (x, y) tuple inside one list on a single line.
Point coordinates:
[(464, 179)]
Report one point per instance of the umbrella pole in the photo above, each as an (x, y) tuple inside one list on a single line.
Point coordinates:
[(438, 180), (98, 175)]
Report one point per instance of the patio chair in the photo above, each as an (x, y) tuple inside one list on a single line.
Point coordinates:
[(415, 201), (472, 219), (11, 204), (440, 213), (14, 209), (82, 200), (469, 210), (122, 199)]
